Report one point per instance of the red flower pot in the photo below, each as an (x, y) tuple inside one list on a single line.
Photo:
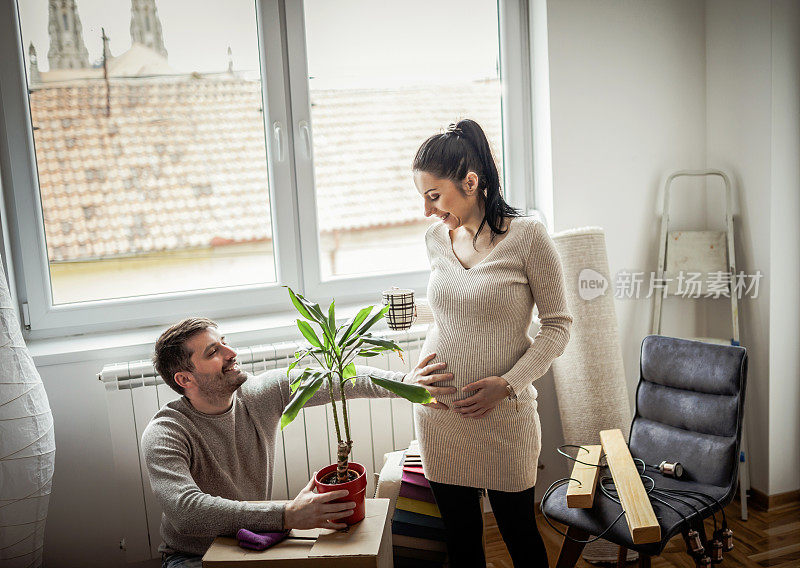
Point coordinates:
[(357, 489)]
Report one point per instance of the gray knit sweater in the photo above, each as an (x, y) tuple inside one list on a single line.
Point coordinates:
[(482, 316), (206, 469)]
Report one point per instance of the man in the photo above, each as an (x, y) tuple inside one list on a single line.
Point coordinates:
[(211, 453)]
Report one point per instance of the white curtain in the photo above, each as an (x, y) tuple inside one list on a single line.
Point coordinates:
[(27, 446)]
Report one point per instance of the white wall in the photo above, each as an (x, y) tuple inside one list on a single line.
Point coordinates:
[(753, 60), (627, 96), (784, 355), (640, 89), (738, 120)]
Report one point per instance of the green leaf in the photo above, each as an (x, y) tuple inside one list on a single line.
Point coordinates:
[(307, 309), (375, 319), (308, 333), (314, 309), (410, 392), (354, 323), (373, 349), (331, 316), (368, 353), (299, 379), (297, 358), (303, 393), (349, 371), (300, 306), (354, 339), (385, 343)]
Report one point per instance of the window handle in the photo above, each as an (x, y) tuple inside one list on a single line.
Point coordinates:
[(305, 134), (277, 133)]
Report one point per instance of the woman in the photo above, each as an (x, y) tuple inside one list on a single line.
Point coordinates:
[(489, 266)]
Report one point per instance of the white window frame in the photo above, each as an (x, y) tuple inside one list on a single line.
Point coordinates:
[(288, 133), (517, 144)]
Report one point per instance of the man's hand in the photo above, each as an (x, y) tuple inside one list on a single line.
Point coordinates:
[(311, 510), (424, 376), (489, 392)]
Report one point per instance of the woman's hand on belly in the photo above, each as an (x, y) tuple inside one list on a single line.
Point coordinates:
[(489, 392), (425, 375)]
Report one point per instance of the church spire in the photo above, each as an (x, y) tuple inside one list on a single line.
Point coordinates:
[(67, 50), (146, 26), (35, 77)]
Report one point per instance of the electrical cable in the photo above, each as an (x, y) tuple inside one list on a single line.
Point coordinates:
[(701, 497), (696, 496), (705, 495), (559, 482), (566, 455), (653, 493), (555, 485)]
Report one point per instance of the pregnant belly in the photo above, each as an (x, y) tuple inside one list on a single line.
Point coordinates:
[(471, 359)]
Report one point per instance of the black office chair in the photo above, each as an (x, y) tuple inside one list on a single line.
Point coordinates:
[(689, 409)]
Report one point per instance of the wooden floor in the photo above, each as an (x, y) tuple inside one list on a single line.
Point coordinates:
[(765, 539)]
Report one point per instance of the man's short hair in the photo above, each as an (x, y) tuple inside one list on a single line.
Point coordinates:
[(171, 353)]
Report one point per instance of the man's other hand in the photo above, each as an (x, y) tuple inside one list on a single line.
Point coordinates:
[(424, 375), (311, 510)]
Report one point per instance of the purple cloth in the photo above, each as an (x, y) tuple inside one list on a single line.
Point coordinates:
[(416, 492), (415, 479), (259, 541)]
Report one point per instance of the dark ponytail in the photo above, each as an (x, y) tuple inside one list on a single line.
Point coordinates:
[(463, 148)]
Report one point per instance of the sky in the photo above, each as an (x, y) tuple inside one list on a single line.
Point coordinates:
[(349, 42)]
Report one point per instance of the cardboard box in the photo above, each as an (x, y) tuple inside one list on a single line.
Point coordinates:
[(367, 544)]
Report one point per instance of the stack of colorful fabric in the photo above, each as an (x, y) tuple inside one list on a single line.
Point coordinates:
[(417, 530)]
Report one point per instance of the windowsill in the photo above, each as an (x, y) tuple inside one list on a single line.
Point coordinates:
[(137, 344)]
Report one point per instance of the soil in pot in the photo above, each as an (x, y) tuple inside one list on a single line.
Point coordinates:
[(333, 479)]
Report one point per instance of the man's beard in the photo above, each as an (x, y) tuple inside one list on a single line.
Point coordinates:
[(222, 385)]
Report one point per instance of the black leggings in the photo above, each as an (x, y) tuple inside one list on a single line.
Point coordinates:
[(463, 520)]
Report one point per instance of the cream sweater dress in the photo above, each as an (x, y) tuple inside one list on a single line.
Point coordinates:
[(481, 321)]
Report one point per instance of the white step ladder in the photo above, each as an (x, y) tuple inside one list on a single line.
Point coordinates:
[(709, 254)]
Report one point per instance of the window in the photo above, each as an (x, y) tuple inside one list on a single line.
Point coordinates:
[(170, 161), (371, 108), (170, 177)]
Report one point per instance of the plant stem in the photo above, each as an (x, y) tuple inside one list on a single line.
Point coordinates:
[(333, 405), (344, 448), (355, 346), (342, 461), (321, 364), (342, 381), (344, 413)]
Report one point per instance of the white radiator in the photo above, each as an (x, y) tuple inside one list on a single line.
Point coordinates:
[(135, 392)]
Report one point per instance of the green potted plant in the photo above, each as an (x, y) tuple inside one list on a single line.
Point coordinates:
[(335, 349)]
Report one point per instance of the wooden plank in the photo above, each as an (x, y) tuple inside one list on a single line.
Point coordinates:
[(639, 513), (580, 493)]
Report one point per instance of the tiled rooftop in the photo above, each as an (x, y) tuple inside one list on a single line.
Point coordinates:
[(181, 161)]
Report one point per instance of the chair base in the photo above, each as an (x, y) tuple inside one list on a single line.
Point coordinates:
[(571, 550), (622, 558)]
